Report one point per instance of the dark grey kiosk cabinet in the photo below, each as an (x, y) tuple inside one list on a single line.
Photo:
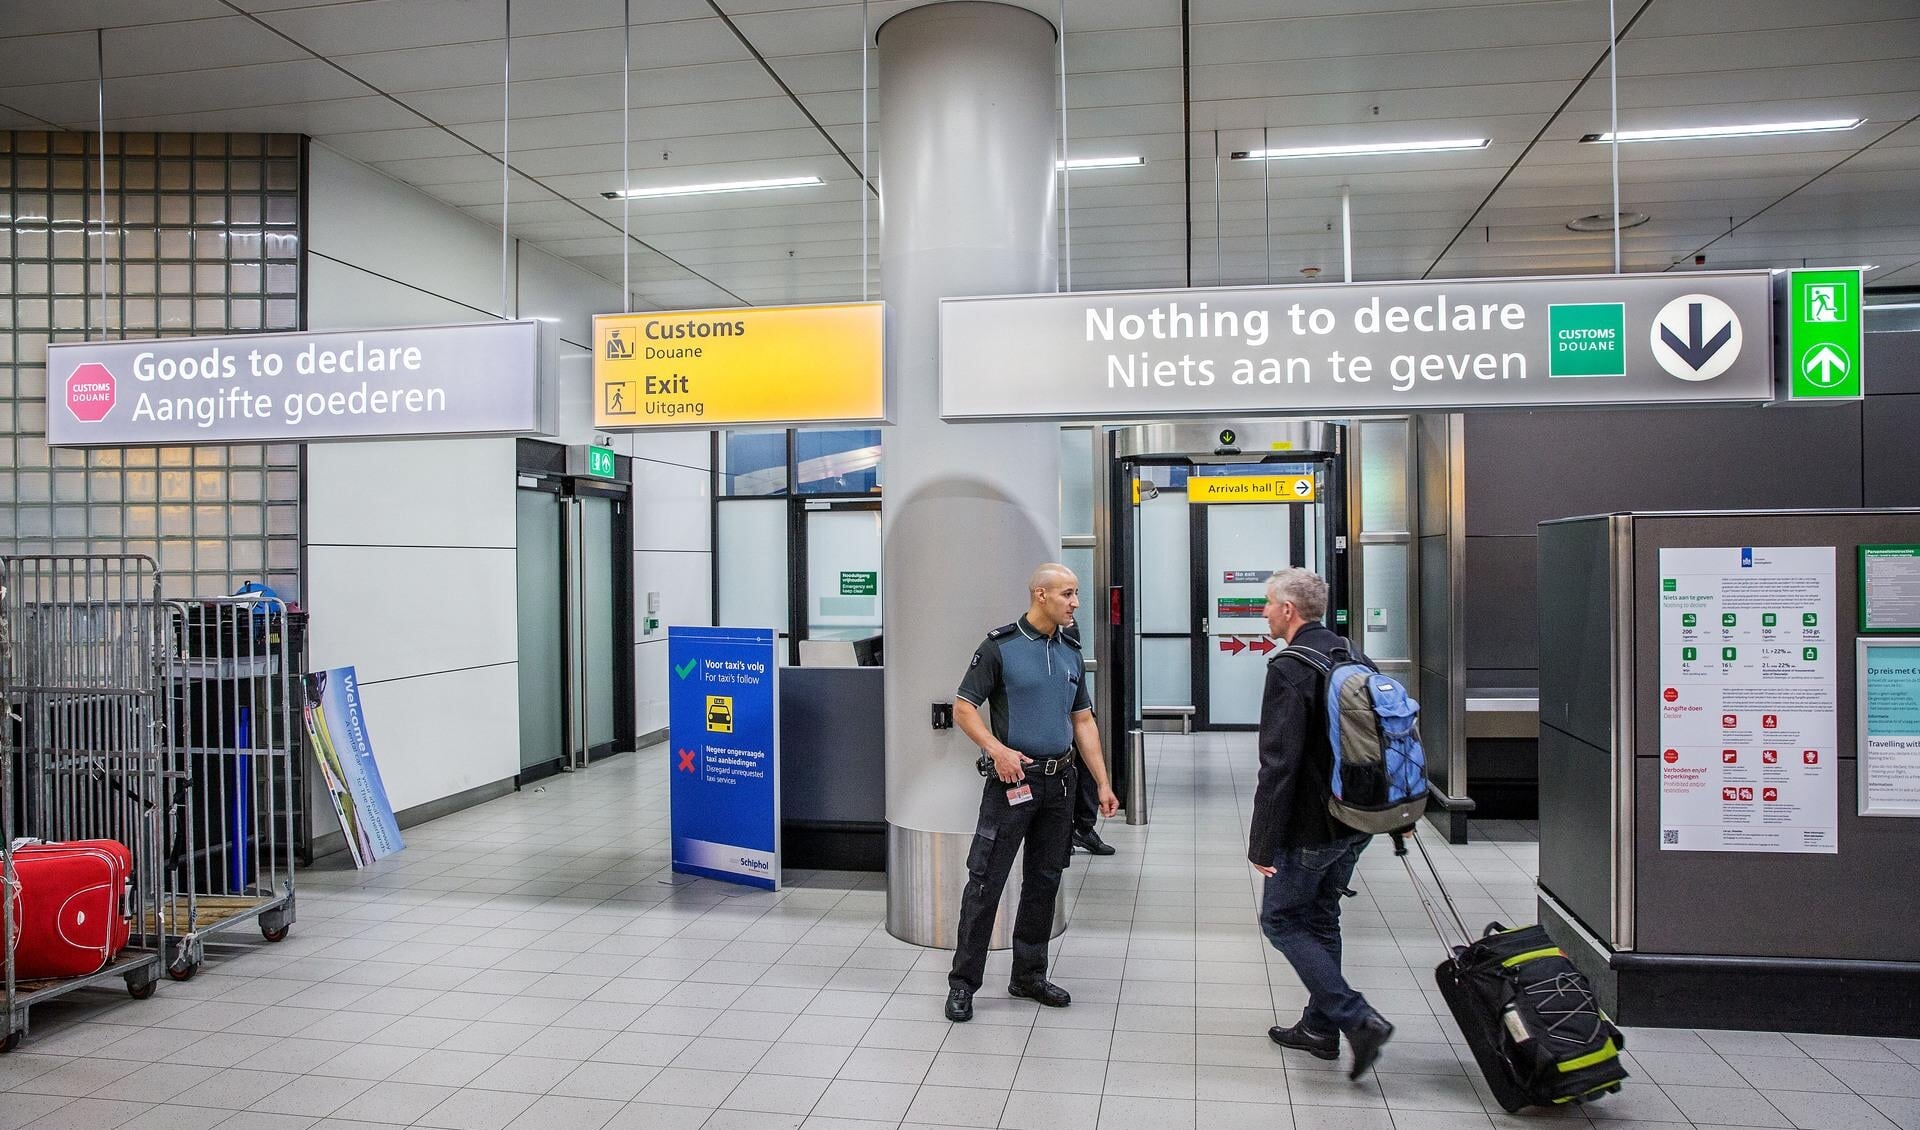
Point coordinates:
[(1757, 913)]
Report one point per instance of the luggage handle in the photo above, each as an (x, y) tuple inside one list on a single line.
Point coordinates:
[(1426, 901)]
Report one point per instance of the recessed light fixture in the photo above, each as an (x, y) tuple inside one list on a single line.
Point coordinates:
[(1376, 149), (713, 189), (1100, 163), (1699, 133), (1600, 221)]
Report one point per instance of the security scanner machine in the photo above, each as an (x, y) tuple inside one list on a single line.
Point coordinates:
[(1730, 765)]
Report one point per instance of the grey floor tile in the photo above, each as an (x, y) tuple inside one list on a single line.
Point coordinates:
[(862, 1099), (1738, 1106), (90, 1114), (1119, 1112), (399, 1104), (234, 1088), (656, 1116), (477, 1110), (310, 1095), (958, 1106), (1899, 1080), (680, 1086), (1817, 1110), (171, 1117), (1904, 1112), (1050, 1110), (20, 1109), (887, 1065), (777, 1094), (556, 1112)]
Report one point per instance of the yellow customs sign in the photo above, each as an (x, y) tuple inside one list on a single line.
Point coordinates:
[(1250, 488), (773, 365)]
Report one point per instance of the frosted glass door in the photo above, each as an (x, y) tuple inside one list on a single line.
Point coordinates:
[(597, 616), (843, 571), (751, 554), (1246, 542), (538, 564)]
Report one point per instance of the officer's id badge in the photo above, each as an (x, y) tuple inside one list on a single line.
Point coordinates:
[(1019, 794)]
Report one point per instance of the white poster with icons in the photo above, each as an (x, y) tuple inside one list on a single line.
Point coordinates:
[(1749, 694)]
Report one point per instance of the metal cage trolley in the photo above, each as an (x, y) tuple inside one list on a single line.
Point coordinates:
[(236, 715), (82, 746)]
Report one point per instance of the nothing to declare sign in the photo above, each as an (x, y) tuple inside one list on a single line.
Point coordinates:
[(486, 379), (1468, 343)]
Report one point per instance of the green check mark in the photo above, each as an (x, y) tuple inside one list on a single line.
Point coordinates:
[(686, 668)]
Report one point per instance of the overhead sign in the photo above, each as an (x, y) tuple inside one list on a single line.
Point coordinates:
[(1823, 351), (764, 365), (1250, 488), (723, 726), (492, 378), (1470, 343)]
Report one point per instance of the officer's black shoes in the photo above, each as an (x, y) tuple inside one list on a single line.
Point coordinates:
[(1042, 990), (1091, 841), (959, 1006), (1301, 1039), (1366, 1041)]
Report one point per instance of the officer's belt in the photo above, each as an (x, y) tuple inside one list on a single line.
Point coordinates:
[(1051, 766)]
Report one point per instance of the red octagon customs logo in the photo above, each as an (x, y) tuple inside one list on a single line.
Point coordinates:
[(90, 393)]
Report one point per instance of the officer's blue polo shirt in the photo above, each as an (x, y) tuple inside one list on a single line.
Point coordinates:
[(1031, 686)]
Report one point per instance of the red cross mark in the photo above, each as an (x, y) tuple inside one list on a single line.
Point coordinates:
[(686, 760)]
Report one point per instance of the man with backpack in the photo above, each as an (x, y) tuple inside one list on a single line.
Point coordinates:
[(1305, 852)]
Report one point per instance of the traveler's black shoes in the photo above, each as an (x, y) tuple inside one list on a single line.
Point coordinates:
[(1042, 990), (1091, 841), (959, 1006), (1366, 1041), (1300, 1039)]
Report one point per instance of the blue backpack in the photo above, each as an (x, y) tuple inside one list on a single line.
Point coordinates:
[(1379, 772)]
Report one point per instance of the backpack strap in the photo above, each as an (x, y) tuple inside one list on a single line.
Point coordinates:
[(1321, 663)]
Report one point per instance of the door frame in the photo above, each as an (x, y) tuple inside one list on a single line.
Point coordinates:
[(798, 507), (1199, 575), (542, 466)]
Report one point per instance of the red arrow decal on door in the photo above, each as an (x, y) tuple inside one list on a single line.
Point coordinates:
[(1232, 645), (1262, 645)]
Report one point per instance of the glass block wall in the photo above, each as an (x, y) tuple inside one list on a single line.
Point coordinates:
[(202, 236)]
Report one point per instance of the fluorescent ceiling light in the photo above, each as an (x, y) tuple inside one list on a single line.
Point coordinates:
[(1698, 133), (716, 187), (1100, 163), (1377, 149)]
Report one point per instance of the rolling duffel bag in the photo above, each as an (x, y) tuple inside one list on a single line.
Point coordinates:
[(1528, 1015), (70, 907)]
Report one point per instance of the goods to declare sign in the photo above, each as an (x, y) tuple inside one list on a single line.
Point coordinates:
[(1889, 727), (493, 378), (1890, 588), (723, 729), (1467, 343), (1250, 488), (749, 365), (1748, 712)]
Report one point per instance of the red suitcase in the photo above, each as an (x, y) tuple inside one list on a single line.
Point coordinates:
[(70, 907)]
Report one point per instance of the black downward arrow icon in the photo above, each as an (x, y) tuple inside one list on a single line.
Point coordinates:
[(1694, 351)]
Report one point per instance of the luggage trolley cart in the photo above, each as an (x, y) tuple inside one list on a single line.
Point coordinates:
[(235, 710), (82, 745)]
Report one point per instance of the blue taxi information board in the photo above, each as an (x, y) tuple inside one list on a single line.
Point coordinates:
[(723, 727)]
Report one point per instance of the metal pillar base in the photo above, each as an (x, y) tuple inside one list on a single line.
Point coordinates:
[(926, 872)]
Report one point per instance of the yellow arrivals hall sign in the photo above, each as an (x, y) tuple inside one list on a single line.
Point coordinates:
[(1250, 488), (774, 365)]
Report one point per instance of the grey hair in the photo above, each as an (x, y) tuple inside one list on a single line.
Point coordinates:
[(1303, 587)]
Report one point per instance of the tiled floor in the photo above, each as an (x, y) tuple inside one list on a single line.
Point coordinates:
[(531, 964)]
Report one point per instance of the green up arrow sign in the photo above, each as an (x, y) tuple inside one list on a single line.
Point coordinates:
[(1824, 347)]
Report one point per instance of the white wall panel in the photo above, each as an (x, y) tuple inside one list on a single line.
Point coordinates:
[(352, 498), (441, 734), (650, 685), (357, 215), (684, 582), (672, 506), (688, 449), (344, 296), (397, 612), (552, 288)]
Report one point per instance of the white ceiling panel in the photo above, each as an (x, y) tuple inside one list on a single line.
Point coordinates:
[(1297, 72)]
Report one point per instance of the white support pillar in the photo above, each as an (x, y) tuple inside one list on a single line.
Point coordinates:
[(967, 183)]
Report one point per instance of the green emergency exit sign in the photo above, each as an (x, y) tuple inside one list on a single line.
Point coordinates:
[(859, 584), (600, 462), (1825, 358)]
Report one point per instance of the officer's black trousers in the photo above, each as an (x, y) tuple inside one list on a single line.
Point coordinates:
[(1045, 825)]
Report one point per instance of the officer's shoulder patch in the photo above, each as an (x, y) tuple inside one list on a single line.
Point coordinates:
[(976, 660), (1003, 631)]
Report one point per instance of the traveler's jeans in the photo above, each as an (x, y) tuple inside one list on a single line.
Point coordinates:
[(1300, 915)]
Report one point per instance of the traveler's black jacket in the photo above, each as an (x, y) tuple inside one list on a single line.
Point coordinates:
[(1296, 759)]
